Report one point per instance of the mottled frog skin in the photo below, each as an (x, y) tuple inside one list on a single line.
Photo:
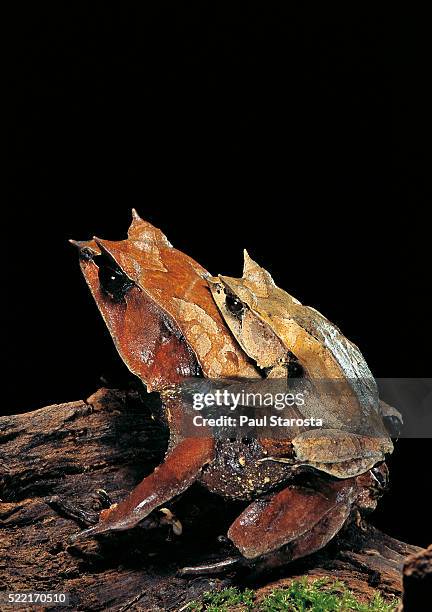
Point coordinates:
[(283, 336), (167, 327), (248, 475)]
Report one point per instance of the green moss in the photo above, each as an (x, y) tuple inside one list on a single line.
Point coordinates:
[(224, 600), (322, 595)]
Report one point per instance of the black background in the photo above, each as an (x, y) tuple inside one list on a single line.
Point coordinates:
[(299, 137)]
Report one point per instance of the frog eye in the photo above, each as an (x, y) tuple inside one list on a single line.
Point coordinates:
[(112, 278), (393, 425), (234, 305), (295, 368)]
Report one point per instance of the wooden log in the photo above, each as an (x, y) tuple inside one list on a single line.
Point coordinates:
[(417, 582), (65, 453)]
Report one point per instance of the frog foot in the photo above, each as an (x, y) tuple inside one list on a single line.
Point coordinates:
[(181, 468), (76, 512), (219, 567)]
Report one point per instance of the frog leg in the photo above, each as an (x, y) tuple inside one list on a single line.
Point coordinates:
[(180, 469), (339, 453), (301, 518)]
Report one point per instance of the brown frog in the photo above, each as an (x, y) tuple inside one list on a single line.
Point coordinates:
[(285, 338), (166, 327)]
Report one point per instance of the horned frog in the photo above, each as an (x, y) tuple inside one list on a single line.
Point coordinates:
[(284, 338), (166, 327)]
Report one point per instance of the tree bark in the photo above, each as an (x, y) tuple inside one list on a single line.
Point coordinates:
[(58, 457), (417, 582)]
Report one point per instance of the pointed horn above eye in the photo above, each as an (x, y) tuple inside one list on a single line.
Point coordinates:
[(76, 243), (144, 232), (136, 223), (249, 265), (135, 215), (85, 244), (256, 277)]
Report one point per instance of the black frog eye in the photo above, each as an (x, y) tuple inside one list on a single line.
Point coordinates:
[(234, 305), (112, 279), (393, 425)]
